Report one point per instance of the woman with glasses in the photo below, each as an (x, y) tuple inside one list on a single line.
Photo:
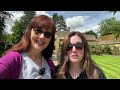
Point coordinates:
[(30, 57), (76, 62)]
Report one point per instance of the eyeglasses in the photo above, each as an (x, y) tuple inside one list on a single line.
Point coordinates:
[(47, 34), (79, 46)]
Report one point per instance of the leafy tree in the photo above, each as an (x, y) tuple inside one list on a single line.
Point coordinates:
[(17, 32), (117, 34), (107, 50), (91, 33), (114, 12), (110, 26), (59, 22), (26, 18), (3, 17), (19, 26)]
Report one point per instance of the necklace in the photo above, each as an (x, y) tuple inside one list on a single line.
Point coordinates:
[(74, 75)]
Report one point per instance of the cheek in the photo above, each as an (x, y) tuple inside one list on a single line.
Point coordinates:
[(81, 53), (32, 38), (68, 53)]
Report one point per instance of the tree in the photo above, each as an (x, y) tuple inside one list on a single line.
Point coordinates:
[(110, 26), (114, 12), (3, 17), (91, 33), (117, 34), (59, 22), (26, 18), (17, 32), (19, 27)]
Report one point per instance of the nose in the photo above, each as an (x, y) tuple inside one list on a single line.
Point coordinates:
[(41, 35), (74, 49)]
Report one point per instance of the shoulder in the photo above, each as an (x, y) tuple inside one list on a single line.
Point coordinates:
[(101, 74), (10, 57), (52, 67), (49, 61), (10, 65)]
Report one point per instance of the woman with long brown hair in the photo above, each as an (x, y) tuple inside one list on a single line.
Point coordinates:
[(76, 61), (30, 57)]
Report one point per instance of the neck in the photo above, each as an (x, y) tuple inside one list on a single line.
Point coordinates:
[(75, 70), (35, 56), (34, 53)]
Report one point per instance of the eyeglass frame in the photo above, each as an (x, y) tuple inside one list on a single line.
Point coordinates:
[(47, 34), (78, 46)]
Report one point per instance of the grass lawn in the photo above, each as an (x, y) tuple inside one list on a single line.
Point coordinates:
[(110, 65)]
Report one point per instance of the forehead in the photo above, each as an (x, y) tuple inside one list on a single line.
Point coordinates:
[(43, 23), (74, 39)]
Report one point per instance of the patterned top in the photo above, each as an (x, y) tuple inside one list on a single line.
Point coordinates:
[(30, 70)]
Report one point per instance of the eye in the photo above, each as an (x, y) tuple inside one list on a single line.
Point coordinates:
[(79, 45), (38, 31), (69, 47), (48, 34)]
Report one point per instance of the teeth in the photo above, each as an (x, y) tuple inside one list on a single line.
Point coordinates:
[(39, 42)]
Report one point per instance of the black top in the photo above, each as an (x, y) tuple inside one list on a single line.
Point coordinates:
[(81, 76)]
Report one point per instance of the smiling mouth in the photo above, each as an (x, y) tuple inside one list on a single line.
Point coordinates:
[(39, 42)]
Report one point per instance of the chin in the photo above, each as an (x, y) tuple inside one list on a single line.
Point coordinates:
[(38, 48), (75, 60)]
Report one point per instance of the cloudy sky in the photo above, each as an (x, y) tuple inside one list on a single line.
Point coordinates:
[(77, 20)]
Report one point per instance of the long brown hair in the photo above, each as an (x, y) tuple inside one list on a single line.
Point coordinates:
[(38, 21), (87, 64)]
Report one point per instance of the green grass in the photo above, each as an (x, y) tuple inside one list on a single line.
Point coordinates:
[(110, 65)]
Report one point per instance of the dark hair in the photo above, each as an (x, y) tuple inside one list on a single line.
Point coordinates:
[(87, 64), (38, 21)]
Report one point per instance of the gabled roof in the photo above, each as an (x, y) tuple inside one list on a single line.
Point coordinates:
[(90, 37), (110, 37), (62, 33)]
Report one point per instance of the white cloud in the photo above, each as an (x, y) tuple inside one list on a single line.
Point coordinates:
[(94, 28), (75, 22), (42, 13), (79, 23), (10, 22), (17, 15)]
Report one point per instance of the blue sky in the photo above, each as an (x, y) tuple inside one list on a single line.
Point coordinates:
[(77, 20)]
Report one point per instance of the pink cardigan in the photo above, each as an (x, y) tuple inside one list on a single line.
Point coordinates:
[(10, 65)]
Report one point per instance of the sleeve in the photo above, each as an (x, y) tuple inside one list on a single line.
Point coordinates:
[(4, 71), (10, 65), (4, 67), (52, 67)]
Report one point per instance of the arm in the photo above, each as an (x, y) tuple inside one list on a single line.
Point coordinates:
[(10, 65), (4, 71), (101, 74), (4, 67)]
